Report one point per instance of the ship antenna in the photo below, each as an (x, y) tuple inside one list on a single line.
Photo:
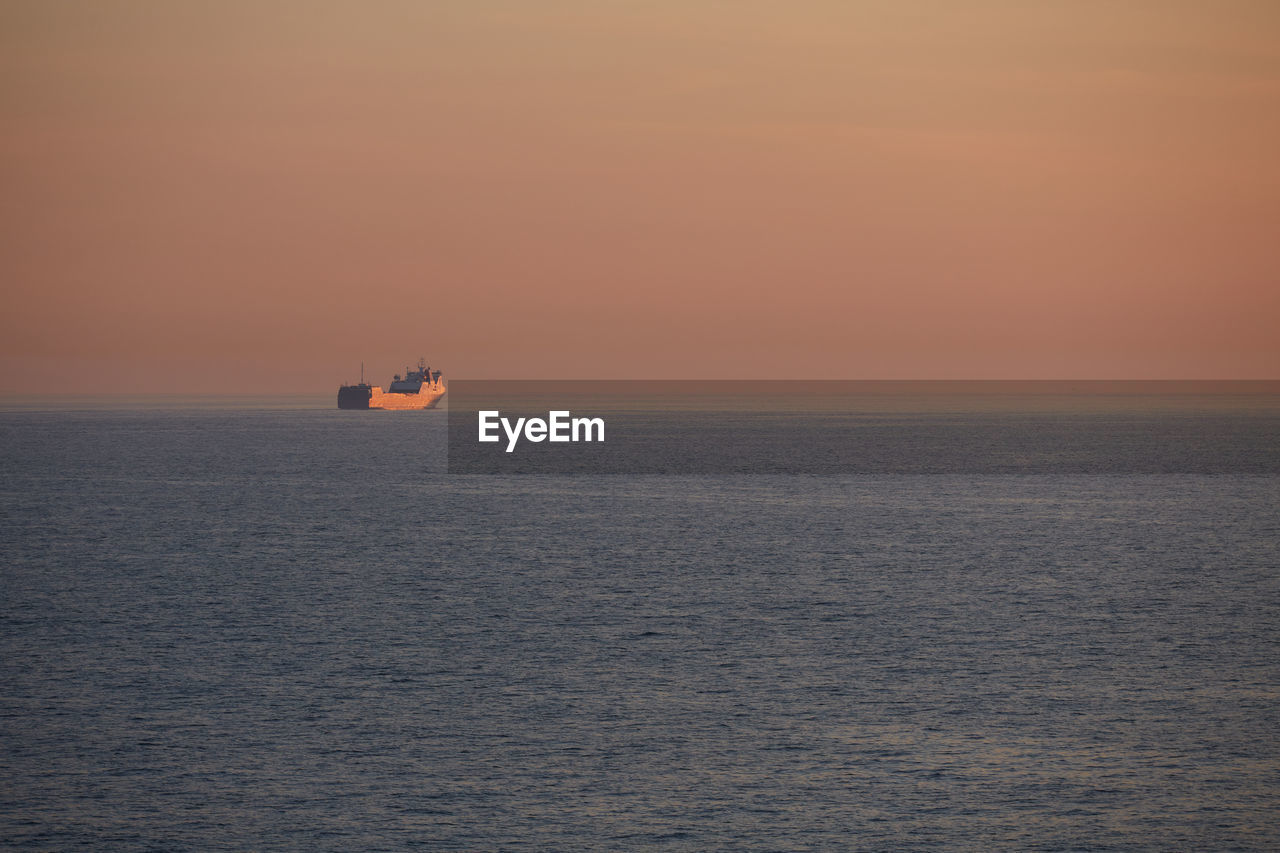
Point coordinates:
[(362, 373)]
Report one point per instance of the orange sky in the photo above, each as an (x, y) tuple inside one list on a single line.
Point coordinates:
[(255, 196)]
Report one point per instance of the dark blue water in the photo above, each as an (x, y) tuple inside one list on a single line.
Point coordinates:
[(253, 629)]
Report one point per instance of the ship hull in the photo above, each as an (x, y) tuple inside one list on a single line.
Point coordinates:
[(373, 397), (354, 396), (424, 399)]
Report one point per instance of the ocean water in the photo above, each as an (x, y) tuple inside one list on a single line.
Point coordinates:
[(239, 625)]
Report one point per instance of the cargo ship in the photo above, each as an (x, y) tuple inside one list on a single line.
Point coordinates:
[(418, 389)]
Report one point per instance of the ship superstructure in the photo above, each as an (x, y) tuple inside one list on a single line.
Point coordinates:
[(419, 388)]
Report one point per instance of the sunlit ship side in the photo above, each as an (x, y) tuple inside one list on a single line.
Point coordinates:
[(419, 389)]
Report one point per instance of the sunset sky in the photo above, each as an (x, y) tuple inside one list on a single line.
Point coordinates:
[(257, 196)]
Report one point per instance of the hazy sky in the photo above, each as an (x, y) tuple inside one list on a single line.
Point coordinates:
[(256, 196)]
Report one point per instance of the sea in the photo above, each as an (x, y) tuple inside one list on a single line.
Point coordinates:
[(266, 624)]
